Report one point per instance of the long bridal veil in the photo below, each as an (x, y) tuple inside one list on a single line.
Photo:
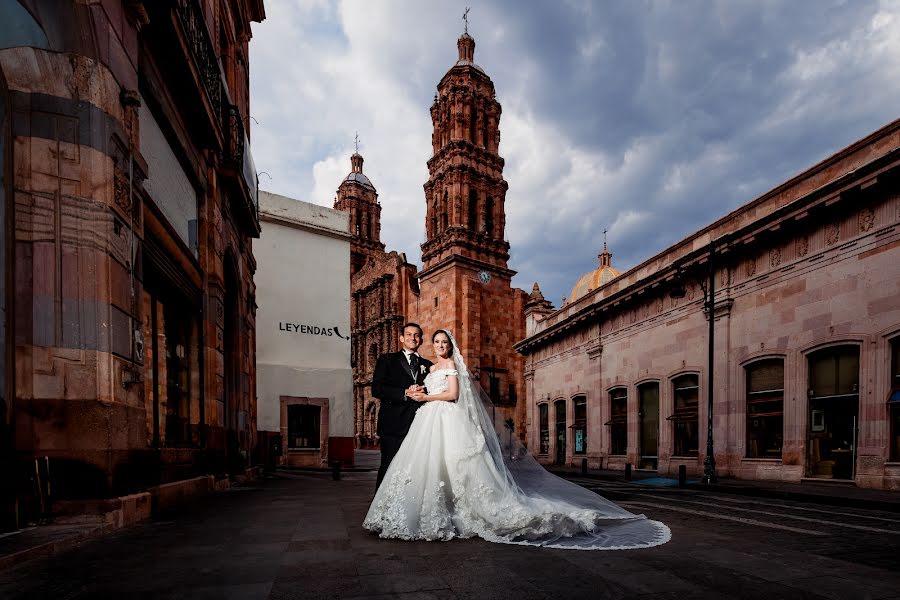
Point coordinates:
[(570, 516)]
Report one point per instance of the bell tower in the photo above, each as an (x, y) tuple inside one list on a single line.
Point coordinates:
[(465, 283), (465, 192), (356, 195)]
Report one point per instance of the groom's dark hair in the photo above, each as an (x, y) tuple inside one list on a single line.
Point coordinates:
[(411, 324), (449, 340)]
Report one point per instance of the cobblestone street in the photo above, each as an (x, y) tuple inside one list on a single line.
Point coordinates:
[(299, 536)]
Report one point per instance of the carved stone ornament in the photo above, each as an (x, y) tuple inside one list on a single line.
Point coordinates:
[(751, 267), (775, 257), (802, 246), (832, 234), (866, 219), (121, 193)]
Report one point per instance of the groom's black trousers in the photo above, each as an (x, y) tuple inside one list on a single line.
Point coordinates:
[(389, 446)]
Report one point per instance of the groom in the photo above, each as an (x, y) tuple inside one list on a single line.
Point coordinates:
[(398, 374)]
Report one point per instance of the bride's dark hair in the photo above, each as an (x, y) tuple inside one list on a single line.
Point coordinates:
[(449, 341)]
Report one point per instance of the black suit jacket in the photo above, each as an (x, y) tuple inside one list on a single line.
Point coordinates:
[(392, 377)]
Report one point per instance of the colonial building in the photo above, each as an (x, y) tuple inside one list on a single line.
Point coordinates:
[(129, 205), (464, 284), (805, 282), (305, 384)]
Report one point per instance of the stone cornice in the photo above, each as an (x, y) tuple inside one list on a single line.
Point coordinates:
[(472, 263)]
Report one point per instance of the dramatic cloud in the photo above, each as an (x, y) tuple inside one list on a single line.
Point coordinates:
[(649, 119)]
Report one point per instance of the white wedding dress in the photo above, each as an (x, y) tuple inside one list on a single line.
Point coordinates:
[(450, 479)]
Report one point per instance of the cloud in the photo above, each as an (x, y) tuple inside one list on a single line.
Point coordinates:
[(650, 119)]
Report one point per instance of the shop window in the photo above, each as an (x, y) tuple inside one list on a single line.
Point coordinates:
[(685, 392), (765, 408), (648, 400), (579, 425), (560, 408), (303, 426), (833, 412), (618, 422), (544, 426), (894, 399)]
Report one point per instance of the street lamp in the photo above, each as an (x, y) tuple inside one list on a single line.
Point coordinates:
[(707, 283)]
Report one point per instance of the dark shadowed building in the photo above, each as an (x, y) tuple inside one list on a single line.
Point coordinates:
[(129, 206)]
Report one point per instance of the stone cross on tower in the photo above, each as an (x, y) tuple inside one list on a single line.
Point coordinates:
[(466, 18), (356, 141)]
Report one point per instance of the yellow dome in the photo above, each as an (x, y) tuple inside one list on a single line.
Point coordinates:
[(593, 279)]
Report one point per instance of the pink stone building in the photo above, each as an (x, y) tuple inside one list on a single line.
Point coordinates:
[(128, 206), (807, 340)]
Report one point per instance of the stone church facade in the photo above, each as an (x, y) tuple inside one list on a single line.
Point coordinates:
[(464, 283), (806, 368), (128, 209)]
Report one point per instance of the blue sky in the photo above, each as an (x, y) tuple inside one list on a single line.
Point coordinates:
[(649, 119)]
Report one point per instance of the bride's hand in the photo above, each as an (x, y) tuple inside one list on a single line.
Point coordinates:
[(419, 396)]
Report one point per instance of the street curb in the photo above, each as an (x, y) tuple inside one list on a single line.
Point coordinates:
[(53, 547), (169, 496), (760, 492), (830, 500)]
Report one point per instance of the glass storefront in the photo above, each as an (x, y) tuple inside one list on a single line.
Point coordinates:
[(618, 421), (833, 412), (648, 395), (685, 391), (579, 425), (560, 406), (765, 408)]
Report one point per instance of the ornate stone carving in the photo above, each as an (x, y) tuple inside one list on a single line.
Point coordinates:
[(775, 257), (832, 234), (866, 219), (802, 246), (751, 267)]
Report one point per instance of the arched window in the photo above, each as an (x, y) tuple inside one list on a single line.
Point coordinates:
[(894, 399), (484, 132), (473, 210), (489, 216), (833, 412), (648, 401), (368, 226), (765, 408), (579, 425), (544, 424), (472, 125), (560, 410), (685, 391), (618, 421)]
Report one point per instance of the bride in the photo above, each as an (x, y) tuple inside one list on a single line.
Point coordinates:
[(454, 477)]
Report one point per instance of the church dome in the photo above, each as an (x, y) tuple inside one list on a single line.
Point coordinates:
[(356, 174), (591, 280)]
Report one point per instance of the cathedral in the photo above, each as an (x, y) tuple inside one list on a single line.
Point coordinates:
[(465, 283)]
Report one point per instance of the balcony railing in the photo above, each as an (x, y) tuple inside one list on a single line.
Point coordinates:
[(193, 23)]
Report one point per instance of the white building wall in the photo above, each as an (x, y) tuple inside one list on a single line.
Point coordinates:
[(303, 318)]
